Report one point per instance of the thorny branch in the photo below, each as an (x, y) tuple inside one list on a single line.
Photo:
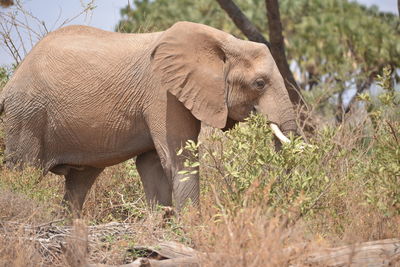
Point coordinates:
[(20, 29)]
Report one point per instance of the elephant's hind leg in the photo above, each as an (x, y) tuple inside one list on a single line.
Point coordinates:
[(156, 185), (77, 184)]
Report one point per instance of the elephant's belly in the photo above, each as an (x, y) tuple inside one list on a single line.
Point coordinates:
[(104, 153)]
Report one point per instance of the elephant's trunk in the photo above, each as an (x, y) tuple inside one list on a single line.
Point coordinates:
[(277, 107), (289, 127)]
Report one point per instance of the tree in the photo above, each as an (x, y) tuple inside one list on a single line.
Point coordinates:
[(6, 3), (158, 15), (340, 45), (332, 45)]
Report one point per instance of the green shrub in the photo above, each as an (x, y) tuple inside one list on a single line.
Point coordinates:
[(250, 169), (383, 171)]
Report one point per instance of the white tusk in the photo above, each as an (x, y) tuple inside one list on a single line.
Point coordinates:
[(275, 129)]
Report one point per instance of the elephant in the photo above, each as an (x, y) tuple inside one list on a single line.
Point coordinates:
[(84, 99)]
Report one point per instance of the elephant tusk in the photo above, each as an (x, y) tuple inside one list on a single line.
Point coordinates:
[(275, 129)]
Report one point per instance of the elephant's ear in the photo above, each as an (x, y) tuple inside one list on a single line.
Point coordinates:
[(190, 62)]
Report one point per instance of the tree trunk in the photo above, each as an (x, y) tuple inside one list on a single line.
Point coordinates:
[(398, 6), (253, 34), (6, 3), (278, 49), (340, 112)]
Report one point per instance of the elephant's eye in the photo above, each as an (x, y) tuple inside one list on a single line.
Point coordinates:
[(259, 84)]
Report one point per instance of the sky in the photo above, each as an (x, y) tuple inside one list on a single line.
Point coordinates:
[(105, 15)]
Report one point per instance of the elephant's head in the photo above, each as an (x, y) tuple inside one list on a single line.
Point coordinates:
[(217, 76)]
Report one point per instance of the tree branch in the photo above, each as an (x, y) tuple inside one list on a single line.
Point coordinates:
[(278, 49), (242, 22)]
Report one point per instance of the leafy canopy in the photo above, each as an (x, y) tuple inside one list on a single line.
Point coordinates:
[(326, 38)]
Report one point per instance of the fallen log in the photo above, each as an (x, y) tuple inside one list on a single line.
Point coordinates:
[(177, 262), (374, 253), (144, 262), (170, 254)]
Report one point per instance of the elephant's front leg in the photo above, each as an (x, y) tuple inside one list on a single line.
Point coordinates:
[(184, 180), (170, 129), (157, 186), (186, 183)]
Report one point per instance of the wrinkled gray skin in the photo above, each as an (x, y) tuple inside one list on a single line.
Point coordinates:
[(84, 99)]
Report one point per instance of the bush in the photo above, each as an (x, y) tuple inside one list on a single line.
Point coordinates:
[(340, 172), (245, 161), (383, 172)]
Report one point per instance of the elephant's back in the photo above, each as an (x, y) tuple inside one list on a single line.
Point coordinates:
[(82, 57), (81, 29), (78, 38), (74, 54)]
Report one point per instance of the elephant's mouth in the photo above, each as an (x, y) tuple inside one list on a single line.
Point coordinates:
[(275, 128), (278, 133)]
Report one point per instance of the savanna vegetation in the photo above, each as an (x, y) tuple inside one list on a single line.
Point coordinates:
[(337, 184)]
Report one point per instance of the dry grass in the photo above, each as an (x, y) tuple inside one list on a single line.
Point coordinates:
[(248, 238), (16, 251), (116, 195), (16, 245), (33, 224)]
